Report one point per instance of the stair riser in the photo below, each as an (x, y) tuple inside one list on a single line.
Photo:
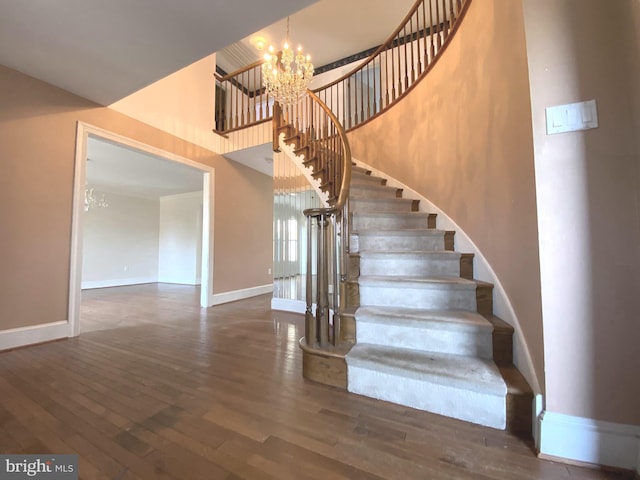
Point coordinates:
[(392, 205), (428, 337), (476, 407), (353, 295), (427, 298), (403, 265), (391, 243), (389, 222)]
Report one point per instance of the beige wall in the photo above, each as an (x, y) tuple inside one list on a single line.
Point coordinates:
[(462, 138), (181, 103), (588, 205), (120, 243), (37, 142)]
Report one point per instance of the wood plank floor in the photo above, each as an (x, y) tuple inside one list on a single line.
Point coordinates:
[(157, 388)]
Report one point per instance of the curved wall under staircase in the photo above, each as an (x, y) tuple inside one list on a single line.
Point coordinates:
[(462, 139)]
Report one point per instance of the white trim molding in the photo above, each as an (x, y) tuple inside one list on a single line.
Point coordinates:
[(591, 441), (22, 336), (288, 305), (118, 282), (83, 132), (232, 296)]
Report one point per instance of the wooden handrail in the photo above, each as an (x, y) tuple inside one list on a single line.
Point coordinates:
[(316, 134), (377, 52), (241, 100), (392, 70), (346, 161), (229, 76)]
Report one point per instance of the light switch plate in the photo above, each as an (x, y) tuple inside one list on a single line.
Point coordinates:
[(572, 117)]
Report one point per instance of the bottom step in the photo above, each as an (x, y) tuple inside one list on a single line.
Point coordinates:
[(466, 388)]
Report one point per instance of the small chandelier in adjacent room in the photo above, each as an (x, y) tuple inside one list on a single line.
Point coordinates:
[(93, 200), (286, 74)]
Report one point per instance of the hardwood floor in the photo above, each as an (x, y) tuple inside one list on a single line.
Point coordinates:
[(157, 388)]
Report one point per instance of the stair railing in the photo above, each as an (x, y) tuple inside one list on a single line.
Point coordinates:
[(241, 99), (316, 134), (386, 76), (397, 64), (316, 127)]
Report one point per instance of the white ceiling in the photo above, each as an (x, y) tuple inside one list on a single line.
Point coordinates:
[(104, 50), (114, 168), (328, 30), (259, 158)]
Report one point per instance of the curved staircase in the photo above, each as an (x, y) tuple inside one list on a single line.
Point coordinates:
[(392, 311), (425, 335)]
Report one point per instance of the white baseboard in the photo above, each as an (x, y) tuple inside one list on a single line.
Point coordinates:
[(226, 297), (178, 280), (20, 337), (118, 282), (591, 441), (287, 305), (538, 408)]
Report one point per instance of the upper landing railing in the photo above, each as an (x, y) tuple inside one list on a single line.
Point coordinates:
[(366, 91)]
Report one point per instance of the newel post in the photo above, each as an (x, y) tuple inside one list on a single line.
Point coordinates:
[(310, 326), (322, 300)]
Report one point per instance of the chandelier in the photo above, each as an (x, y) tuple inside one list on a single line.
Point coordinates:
[(286, 74)]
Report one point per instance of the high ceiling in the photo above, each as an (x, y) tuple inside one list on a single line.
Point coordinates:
[(114, 168), (104, 50), (329, 30)]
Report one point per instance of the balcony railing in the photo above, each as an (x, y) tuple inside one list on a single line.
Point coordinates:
[(365, 92), (396, 66)]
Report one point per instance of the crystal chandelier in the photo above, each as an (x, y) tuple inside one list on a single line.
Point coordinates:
[(286, 74), (91, 200)]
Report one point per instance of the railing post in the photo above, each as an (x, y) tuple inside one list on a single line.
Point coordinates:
[(276, 123), (338, 272), (310, 320), (322, 300)]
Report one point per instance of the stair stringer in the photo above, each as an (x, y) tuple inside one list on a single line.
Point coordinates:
[(482, 271), (289, 151)]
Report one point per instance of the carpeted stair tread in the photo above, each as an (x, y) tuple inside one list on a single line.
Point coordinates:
[(421, 318), (408, 232), (409, 253), (456, 371), (366, 189), (434, 282), (419, 238), (380, 205)]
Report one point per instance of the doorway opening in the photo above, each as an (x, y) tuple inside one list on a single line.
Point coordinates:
[(172, 177)]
